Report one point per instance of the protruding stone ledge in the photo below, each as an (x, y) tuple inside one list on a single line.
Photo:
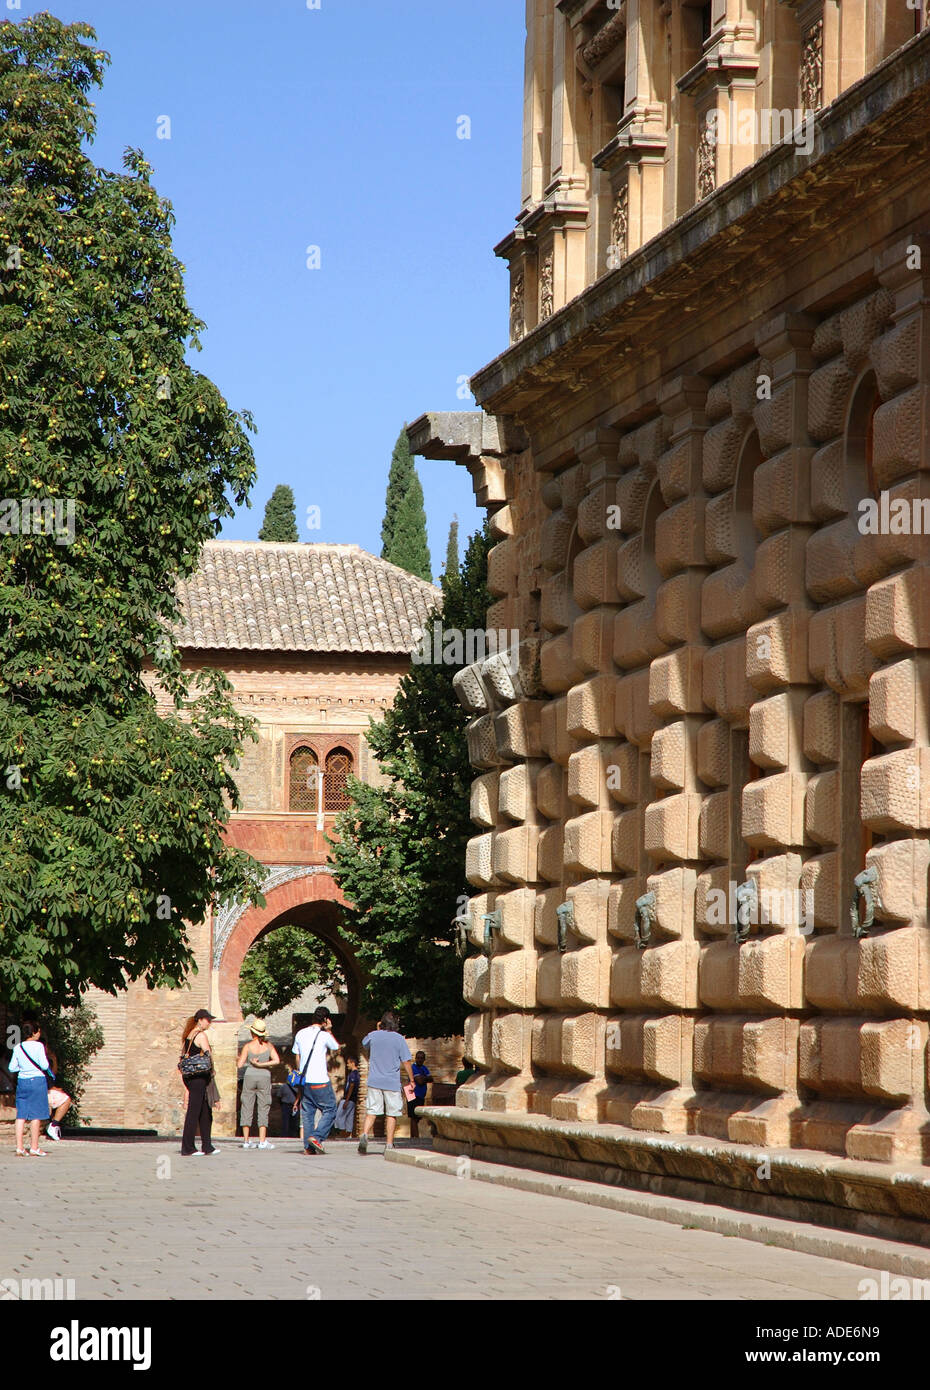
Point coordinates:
[(870, 1198)]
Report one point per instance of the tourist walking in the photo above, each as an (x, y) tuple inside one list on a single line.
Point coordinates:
[(345, 1110), (318, 1103), (201, 1088), (387, 1052), (29, 1064), (258, 1057), (421, 1079)]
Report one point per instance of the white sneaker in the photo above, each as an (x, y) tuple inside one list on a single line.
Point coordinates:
[(53, 1132), (265, 1145), (249, 1145)]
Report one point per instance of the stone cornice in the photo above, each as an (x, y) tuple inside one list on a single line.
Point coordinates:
[(766, 210)]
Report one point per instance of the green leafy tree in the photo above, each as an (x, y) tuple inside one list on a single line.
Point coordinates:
[(400, 852), (112, 808), (403, 534), (281, 965), (280, 523), (452, 548)]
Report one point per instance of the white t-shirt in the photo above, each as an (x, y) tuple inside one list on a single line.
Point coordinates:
[(303, 1043), (24, 1064)]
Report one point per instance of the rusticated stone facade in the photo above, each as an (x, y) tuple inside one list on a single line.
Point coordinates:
[(717, 742)]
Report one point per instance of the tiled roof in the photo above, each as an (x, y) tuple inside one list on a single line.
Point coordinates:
[(274, 596)]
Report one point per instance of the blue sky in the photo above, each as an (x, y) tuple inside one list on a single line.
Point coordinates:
[(336, 128)]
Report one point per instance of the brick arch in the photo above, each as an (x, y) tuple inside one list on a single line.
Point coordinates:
[(290, 901)]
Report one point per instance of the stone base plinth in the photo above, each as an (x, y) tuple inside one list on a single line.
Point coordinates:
[(870, 1198)]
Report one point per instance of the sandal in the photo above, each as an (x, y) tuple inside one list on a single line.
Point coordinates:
[(37, 1153), (22, 1153)]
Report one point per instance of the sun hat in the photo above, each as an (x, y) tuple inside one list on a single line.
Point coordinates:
[(257, 1026)]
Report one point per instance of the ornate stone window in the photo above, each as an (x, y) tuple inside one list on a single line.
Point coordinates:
[(303, 770), (335, 780)]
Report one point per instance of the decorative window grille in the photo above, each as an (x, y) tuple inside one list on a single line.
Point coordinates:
[(335, 781), (304, 770)]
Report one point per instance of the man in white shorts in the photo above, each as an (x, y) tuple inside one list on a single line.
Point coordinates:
[(387, 1051)]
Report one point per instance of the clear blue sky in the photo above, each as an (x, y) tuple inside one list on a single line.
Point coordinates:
[(337, 128)]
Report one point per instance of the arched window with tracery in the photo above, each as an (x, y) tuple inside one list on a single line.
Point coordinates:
[(304, 769), (336, 780)]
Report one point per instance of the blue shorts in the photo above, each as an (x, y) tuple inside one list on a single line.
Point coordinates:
[(32, 1098)]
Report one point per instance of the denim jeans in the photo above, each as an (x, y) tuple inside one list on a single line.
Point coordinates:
[(319, 1102)]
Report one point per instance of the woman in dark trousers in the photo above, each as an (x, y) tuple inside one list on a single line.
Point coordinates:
[(200, 1089)]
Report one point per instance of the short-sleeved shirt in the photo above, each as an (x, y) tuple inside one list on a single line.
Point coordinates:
[(350, 1090), (304, 1044), (422, 1076), (386, 1052)]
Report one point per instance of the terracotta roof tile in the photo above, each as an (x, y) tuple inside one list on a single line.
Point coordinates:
[(270, 596)]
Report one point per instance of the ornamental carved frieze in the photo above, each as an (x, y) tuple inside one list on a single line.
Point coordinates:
[(606, 38), (517, 308), (619, 228), (226, 917), (812, 68), (546, 288), (706, 162)]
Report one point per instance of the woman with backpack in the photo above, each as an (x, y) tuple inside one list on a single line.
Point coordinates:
[(29, 1064), (201, 1090)]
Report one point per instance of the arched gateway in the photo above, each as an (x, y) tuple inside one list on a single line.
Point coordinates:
[(314, 639)]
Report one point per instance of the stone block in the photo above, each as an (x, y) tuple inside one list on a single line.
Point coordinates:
[(759, 975), (659, 977), (674, 901), (502, 568), (636, 637), (678, 608), (513, 980), (546, 923), (722, 444), (589, 899), (549, 854), (595, 573), (672, 826), (776, 650), (903, 872), (625, 841), (725, 688), (550, 792), (828, 393), (714, 826), (515, 796), (861, 323), (712, 901), (671, 757), (482, 744), (575, 979), (893, 701), (896, 791), (514, 854), (622, 773), (478, 1039), (773, 810), (477, 907), (558, 669), (555, 538), (856, 1057), (896, 357), (590, 708), (677, 468), (621, 906), (819, 880), (633, 713), (680, 536), (720, 543), (897, 435), (518, 730), (588, 842), (728, 600), (477, 973), (781, 902), (556, 740), (775, 729), (839, 656), (556, 604), (569, 1046), (822, 808), (484, 800), (779, 569), (510, 1042), (821, 737), (713, 752), (517, 909), (478, 870), (652, 1048), (586, 776), (593, 639), (782, 490), (775, 418), (828, 481), (897, 614), (675, 682), (592, 511), (752, 1054)]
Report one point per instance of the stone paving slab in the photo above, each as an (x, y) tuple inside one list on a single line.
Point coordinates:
[(130, 1221)]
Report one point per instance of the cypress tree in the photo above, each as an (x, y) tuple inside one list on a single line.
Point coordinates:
[(452, 548), (399, 478), (409, 548), (280, 523)]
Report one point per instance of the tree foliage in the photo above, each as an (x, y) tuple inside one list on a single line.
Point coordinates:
[(282, 964), (403, 533), (400, 852), (111, 807), (280, 522), (452, 548)]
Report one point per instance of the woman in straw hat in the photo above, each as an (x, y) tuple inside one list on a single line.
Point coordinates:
[(258, 1057)]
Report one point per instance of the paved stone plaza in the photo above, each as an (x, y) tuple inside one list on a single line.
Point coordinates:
[(136, 1221)]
